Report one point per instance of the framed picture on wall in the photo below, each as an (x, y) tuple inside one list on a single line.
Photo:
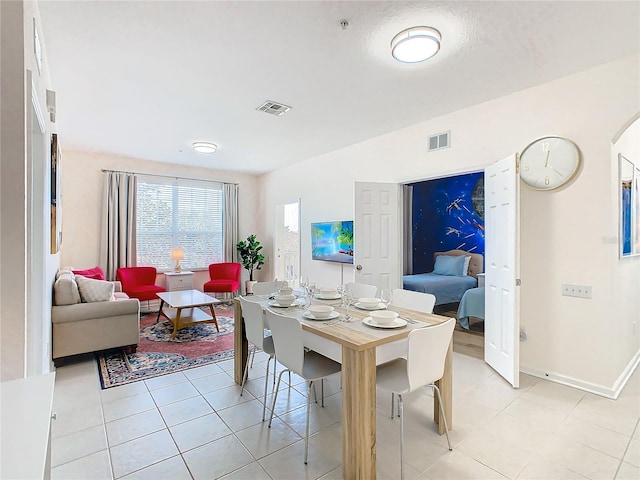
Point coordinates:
[(56, 210), (629, 200)]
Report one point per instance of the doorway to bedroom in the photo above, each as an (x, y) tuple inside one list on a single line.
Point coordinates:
[(446, 216)]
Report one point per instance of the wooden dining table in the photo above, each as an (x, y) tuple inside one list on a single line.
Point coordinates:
[(358, 342)]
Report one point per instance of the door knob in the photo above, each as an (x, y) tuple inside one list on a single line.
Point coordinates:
[(358, 267)]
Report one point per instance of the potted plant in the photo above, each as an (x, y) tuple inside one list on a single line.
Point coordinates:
[(251, 258)]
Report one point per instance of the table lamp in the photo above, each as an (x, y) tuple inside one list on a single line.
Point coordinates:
[(177, 254)]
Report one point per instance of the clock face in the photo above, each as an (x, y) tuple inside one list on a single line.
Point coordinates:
[(549, 162)]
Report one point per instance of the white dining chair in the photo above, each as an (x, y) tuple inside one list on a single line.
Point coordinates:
[(422, 302), (419, 301), (310, 365), (253, 314), (426, 354), (266, 288), (361, 290)]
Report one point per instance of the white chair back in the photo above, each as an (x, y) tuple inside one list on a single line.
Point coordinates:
[(422, 302), (287, 341), (253, 321), (362, 290), (265, 288), (427, 353)]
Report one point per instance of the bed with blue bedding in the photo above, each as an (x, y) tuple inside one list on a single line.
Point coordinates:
[(471, 305), (446, 288), (447, 281)]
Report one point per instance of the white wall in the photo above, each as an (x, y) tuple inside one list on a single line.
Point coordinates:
[(82, 197), (17, 316), (572, 340)]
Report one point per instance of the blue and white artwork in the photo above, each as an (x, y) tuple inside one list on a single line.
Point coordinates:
[(447, 214)]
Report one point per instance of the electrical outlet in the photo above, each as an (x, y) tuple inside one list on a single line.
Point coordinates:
[(576, 290)]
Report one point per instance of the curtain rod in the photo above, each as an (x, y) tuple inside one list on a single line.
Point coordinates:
[(168, 176)]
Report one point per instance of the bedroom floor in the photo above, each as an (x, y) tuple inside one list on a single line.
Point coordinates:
[(467, 342)]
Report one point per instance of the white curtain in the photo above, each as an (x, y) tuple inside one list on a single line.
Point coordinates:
[(118, 246), (230, 230)]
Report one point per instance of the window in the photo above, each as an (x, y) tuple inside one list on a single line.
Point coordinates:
[(183, 213)]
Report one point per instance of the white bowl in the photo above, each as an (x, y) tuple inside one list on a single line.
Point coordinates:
[(286, 291), (369, 302), (383, 317), (285, 299), (326, 292), (320, 311)]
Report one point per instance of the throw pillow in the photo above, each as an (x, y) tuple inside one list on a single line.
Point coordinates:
[(449, 265), (65, 290), (92, 290), (96, 273)]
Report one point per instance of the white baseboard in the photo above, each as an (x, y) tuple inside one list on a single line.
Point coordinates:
[(608, 392)]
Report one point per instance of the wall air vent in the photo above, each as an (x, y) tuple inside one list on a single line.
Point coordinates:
[(441, 140), (274, 108)]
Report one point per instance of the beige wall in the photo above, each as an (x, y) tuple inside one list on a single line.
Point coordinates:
[(586, 343), (25, 320), (82, 196)]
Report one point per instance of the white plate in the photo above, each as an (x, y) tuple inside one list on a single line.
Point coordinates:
[(381, 306), (309, 316), (397, 323), (273, 303), (331, 296)]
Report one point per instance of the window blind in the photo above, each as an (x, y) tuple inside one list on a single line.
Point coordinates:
[(182, 213)]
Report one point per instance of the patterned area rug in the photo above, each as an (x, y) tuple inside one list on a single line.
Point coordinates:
[(158, 354)]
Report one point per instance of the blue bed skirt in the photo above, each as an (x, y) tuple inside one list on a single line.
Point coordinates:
[(471, 305)]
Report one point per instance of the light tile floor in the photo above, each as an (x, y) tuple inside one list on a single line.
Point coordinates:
[(195, 425)]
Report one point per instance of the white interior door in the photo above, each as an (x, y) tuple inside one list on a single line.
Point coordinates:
[(378, 234), (502, 309)]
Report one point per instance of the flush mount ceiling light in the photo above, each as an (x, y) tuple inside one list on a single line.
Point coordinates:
[(205, 147), (415, 44)]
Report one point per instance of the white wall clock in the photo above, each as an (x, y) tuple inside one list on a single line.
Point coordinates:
[(549, 162)]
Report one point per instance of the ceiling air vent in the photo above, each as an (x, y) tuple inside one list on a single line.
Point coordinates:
[(273, 108), (436, 142)]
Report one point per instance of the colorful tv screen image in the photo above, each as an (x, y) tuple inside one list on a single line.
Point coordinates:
[(332, 241)]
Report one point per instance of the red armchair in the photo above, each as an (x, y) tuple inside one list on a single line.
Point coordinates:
[(225, 278), (139, 282)]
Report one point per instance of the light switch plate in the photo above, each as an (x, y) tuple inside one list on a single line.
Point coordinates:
[(576, 290)]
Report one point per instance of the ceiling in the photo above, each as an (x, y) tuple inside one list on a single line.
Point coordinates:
[(147, 79)]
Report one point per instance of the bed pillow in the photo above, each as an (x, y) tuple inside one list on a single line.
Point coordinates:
[(92, 290), (465, 268), (449, 265)]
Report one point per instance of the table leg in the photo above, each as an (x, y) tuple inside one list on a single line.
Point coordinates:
[(240, 344), (160, 311), (177, 323), (215, 319), (445, 384), (359, 414)]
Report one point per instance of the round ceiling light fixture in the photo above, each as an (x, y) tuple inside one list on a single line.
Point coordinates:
[(205, 147), (415, 44)]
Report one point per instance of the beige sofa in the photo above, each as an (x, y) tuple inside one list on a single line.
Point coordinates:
[(95, 316)]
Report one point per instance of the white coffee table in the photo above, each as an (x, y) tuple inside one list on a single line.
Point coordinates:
[(184, 310)]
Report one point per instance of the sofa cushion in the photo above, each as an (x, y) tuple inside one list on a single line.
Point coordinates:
[(94, 290), (65, 290), (96, 273)]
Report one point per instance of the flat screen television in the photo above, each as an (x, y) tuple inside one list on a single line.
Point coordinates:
[(332, 241)]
